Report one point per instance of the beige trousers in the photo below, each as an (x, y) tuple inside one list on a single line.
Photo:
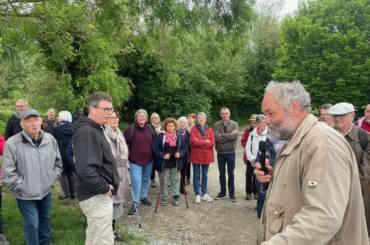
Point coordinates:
[(99, 214)]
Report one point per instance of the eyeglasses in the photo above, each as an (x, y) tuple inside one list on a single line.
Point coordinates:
[(105, 109)]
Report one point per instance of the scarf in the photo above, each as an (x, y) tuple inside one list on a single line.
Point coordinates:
[(202, 130), (171, 139), (118, 140)]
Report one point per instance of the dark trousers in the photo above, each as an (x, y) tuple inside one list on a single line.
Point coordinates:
[(229, 160), (36, 217), (250, 180), (67, 182), (152, 175)]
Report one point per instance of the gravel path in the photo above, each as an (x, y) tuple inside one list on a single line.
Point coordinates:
[(217, 222)]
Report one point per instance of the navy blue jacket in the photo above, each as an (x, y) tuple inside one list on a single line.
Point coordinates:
[(158, 151), (63, 134)]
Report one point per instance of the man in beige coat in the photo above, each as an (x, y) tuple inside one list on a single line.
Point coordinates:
[(359, 140), (314, 197)]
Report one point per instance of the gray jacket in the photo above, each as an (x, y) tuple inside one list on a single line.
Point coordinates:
[(29, 170), (226, 140)]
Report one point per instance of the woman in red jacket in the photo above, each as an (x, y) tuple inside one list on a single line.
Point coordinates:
[(201, 155)]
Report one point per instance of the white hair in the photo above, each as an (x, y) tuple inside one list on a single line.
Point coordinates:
[(288, 92), (202, 114), (141, 111), (183, 119), (64, 116)]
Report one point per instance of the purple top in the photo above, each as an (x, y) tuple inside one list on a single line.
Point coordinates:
[(139, 141)]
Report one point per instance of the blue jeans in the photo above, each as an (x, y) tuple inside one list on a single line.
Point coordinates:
[(229, 160), (197, 168), (140, 180), (36, 215)]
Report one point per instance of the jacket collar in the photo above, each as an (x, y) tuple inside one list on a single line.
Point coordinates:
[(304, 127), (352, 133), (27, 139)]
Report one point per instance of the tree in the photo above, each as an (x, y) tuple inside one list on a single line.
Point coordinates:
[(326, 46)]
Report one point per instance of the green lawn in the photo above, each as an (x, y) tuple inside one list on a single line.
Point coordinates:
[(68, 224)]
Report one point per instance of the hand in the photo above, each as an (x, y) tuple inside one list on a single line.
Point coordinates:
[(166, 156), (109, 193), (261, 175), (177, 155), (207, 141)]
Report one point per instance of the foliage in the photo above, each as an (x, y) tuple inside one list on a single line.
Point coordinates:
[(326, 46)]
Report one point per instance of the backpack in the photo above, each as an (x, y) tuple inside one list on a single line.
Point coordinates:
[(362, 137)]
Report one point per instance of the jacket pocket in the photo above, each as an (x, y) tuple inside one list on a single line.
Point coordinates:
[(276, 219)]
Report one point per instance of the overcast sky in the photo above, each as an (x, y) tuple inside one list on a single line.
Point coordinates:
[(289, 6)]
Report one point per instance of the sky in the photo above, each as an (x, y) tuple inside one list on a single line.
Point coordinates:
[(289, 7)]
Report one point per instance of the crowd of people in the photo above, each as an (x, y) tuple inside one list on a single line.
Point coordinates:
[(319, 171)]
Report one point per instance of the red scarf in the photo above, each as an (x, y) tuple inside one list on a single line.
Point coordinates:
[(171, 139)]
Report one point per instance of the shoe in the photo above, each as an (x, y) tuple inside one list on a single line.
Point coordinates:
[(187, 182), (146, 202), (248, 197), (153, 184), (117, 237), (132, 210), (62, 197), (220, 196), (207, 198), (197, 199), (175, 201), (3, 240), (164, 202), (256, 196), (232, 198)]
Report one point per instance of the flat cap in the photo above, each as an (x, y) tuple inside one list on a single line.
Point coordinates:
[(341, 108), (28, 113)]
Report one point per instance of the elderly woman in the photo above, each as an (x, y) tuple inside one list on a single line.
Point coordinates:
[(120, 152), (183, 132), (155, 122), (140, 137), (63, 134), (202, 140), (169, 149)]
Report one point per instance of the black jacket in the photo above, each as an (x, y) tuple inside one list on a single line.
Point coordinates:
[(13, 126), (95, 164), (63, 134)]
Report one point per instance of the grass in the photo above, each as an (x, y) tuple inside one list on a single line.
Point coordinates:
[(68, 223)]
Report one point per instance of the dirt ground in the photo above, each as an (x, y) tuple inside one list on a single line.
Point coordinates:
[(217, 222)]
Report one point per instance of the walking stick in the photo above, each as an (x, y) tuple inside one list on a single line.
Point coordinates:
[(185, 192), (161, 184), (135, 204)]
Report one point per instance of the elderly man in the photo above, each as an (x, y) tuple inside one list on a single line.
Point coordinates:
[(325, 116), (226, 134), (315, 194), (97, 176), (13, 124), (359, 140), (31, 165), (364, 122)]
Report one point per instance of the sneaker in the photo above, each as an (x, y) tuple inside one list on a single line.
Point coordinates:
[(232, 198), (220, 196), (62, 197), (146, 202), (3, 240), (117, 237), (248, 197), (207, 198), (153, 184), (197, 199), (164, 202), (175, 201), (132, 210)]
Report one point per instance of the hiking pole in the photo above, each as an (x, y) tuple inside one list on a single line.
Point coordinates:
[(161, 180), (185, 192), (135, 204)]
